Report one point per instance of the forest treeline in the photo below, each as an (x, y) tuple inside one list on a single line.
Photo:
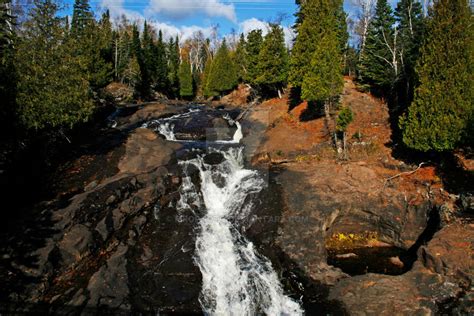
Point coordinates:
[(54, 71)]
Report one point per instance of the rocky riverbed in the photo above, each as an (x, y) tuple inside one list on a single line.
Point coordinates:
[(342, 238)]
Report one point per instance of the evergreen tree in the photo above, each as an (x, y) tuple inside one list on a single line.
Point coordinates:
[(315, 18), (272, 67), (376, 64), (7, 68), (409, 15), (81, 16), (185, 79), (96, 47), (142, 89), (341, 27), (149, 53), (241, 58), (443, 104), (252, 48), (161, 65), (52, 90), (173, 64), (324, 82), (223, 74), (6, 23)]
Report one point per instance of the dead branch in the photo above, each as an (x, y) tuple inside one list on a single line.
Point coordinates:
[(406, 173)]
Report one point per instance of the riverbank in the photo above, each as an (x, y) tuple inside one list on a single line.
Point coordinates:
[(368, 212), (345, 235)]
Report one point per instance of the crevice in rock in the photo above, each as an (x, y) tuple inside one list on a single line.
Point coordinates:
[(433, 225), (383, 259)]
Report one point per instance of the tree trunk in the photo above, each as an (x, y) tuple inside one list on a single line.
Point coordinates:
[(344, 148)]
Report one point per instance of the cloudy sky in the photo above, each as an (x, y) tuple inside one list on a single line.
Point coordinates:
[(183, 17)]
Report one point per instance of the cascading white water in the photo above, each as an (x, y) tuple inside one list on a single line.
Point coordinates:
[(165, 127), (236, 280)]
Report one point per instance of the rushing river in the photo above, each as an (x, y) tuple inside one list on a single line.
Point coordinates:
[(237, 280)]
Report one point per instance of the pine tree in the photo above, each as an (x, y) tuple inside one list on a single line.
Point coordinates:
[(142, 89), (150, 56), (173, 67), (272, 67), (241, 58), (341, 26), (161, 65), (377, 63), (223, 74), (81, 16), (185, 79), (96, 47), (52, 89), (443, 103), (254, 44)]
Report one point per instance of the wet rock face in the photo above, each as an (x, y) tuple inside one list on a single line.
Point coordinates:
[(205, 125), (80, 261)]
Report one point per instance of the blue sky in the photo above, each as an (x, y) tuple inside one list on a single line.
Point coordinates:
[(183, 17)]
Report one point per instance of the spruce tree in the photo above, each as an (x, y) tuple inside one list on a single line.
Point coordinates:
[(341, 26), (272, 67), (142, 89), (185, 79), (241, 58), (96, 47), (375, 67), (173, 63), (52, 89), (252, 48), (443, 103), (81, 16), (149, 53), (223, 74), (161, 65)]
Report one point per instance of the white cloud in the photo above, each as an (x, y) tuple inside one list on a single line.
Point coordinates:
[(184, 32), (186, 8), (117, 9), (255, 24)]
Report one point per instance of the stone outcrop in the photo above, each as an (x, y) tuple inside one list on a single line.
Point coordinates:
[(83, 257), (343, 199), (441, 281)]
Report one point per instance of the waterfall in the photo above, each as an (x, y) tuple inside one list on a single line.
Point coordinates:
[(165, 127), (236, 279)]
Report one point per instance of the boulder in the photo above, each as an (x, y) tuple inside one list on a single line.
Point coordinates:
[(145, 151)]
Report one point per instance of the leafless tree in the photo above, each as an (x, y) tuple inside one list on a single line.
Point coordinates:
[(365, 13)]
